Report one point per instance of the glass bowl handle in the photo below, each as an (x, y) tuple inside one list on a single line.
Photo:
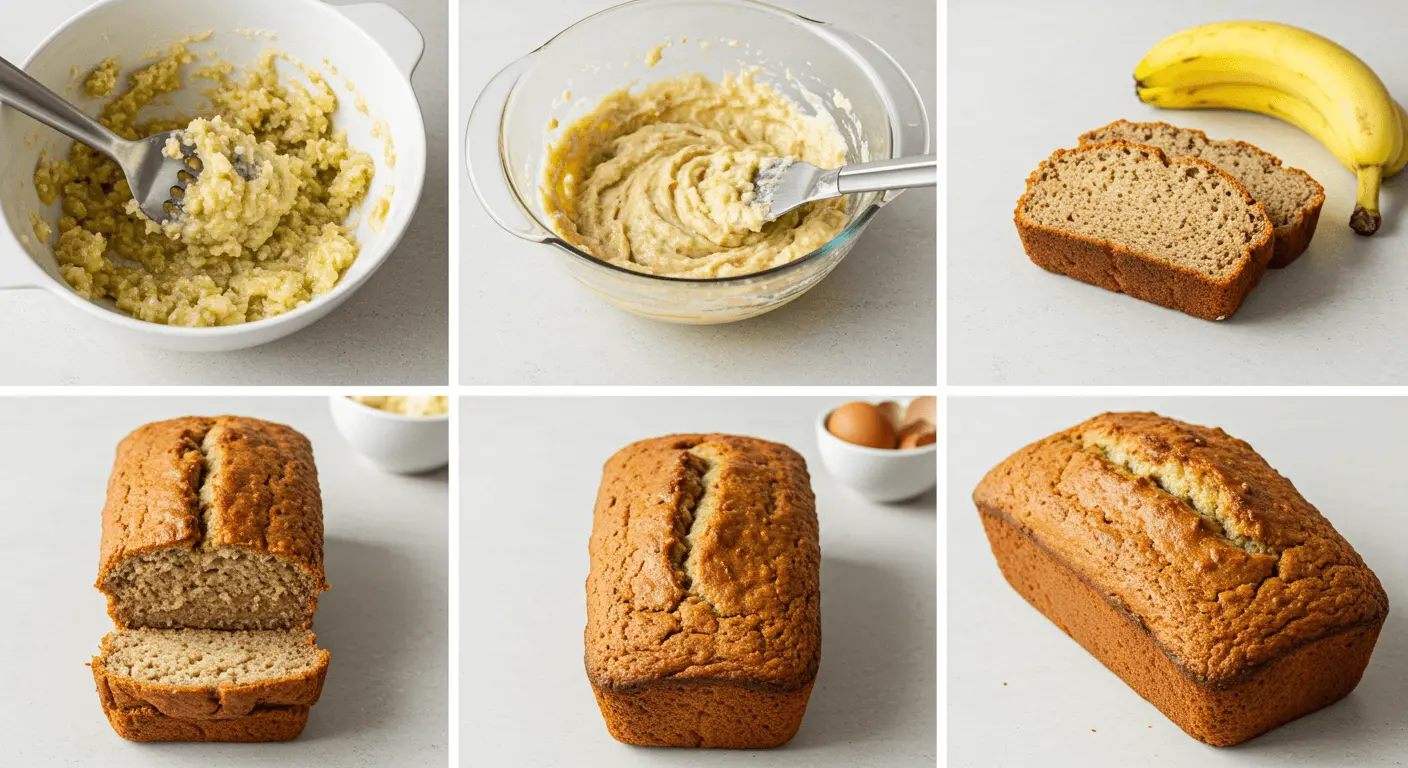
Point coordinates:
[(483, 154), (912, 135)]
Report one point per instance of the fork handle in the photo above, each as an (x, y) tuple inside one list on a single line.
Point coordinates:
[(31, 97), (882, 175)]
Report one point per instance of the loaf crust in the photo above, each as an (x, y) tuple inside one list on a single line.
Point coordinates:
[(1289, 240), (1189, 567), (223, 702), (1116, 268), (703, 599), (265, 499), (263, 724)]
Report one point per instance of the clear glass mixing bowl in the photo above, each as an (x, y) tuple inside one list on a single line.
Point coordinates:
[(881, 116)]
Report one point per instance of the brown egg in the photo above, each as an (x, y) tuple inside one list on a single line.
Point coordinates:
[(862, 424), (893, 411), (922, 409), (917, 435)]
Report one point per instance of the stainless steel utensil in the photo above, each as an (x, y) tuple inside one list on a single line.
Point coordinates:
[(782, 185), (158, 182)]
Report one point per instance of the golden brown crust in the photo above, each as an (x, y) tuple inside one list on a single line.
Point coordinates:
[(222, 702), (671, 715), (1116, 268), (1291, 239), (703, 612), (263, 496), (263, 724), (1189, 567)]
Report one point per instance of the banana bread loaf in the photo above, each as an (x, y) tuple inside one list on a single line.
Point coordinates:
[(213, 523), (262, 724), (1189, 567), (1179, 233), (703, 601), (1293, 200), (209, 674)]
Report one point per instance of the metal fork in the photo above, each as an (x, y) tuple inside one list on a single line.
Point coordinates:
[(782, 185), (158, 182)]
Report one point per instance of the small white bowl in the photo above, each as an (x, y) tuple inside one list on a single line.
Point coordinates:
[(403, 445), (877, 474)]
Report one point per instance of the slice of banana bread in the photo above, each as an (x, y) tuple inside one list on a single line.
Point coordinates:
[(1179, 233), (1292, 199), (209, 674), (213, 523)]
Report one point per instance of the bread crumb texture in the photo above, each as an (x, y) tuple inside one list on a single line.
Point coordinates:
[(1191, 535)]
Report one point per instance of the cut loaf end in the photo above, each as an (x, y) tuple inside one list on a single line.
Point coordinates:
[(1292, 198), (216, 588), (208, 674), (1178, 232)]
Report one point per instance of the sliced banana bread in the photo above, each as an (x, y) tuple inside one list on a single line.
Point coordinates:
[(1292, 199), (263, 724), (1178, 232), (209, 674), (213, 523)]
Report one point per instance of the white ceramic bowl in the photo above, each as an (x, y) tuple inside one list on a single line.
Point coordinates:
[(372, 46), (403, 445), (875, 473)]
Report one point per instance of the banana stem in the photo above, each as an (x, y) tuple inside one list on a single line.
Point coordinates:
[(1365, 220)]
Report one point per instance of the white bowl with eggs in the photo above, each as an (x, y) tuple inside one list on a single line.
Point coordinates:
[(394, 442), (373, 47), (884, 475)]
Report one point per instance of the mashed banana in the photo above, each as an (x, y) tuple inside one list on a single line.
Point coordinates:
[(261, 231), (662, 181), (433, 405)]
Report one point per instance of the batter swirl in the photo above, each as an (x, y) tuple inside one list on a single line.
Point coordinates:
[(661, 181)]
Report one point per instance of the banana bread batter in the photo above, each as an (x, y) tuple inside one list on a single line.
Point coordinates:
[(661, 181)]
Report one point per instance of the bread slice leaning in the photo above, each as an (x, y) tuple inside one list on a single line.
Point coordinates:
[(1179, 232), (260, 725), (1292, 198), (206, 674)]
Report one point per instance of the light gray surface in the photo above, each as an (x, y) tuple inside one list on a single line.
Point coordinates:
[(1029, 77), (531, 467), (524, 320), (1020, 692), (385, 620), (395, 330)]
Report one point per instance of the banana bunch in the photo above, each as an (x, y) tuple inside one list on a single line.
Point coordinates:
[(1292, 75)]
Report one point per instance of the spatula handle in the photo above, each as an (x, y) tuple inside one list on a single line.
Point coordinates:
[(882, 175)]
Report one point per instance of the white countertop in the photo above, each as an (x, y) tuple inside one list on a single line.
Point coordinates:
[(524, 320), (1029, 77), (385, 620), (531, 467), (395, 330), (1020, 692)]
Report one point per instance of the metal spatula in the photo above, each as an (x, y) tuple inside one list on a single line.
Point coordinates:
[(158, 182), (783, 184)]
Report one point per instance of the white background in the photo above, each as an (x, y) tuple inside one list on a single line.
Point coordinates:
[(385, 620), (1020, 692), (531, 468), (1029, 77), (393, 331), (525, 320)]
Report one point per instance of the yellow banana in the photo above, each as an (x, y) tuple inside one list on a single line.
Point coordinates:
[(1327, 79), (1272, 103)]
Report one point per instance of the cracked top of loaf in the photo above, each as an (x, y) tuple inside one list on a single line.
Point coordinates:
[(205, 482), (1190, 534), (704, 566)]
